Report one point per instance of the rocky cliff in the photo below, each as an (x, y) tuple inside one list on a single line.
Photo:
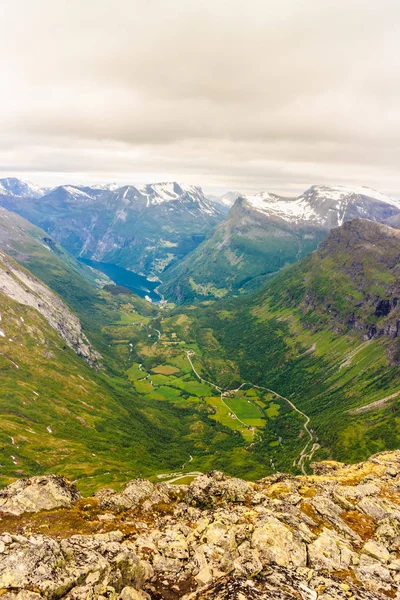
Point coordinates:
[(22, 287), (332, 535)]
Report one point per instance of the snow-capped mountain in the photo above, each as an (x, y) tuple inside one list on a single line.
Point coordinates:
[(144, 228), (146, 196), (264, 232), (325, 206), (170, 193), (20, 188)]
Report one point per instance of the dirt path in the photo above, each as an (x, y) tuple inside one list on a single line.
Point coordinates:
[(171, 477), (303, 455)]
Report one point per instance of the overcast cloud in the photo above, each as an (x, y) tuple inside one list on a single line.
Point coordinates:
[(247, 95)]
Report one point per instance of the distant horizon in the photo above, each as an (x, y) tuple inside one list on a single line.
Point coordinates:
[(207, 188)]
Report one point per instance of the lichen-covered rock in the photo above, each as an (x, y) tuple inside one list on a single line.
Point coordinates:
[(54, 568), (37, 493), (30, 563), (129, 593), (333, 536), (135, 492), (376, 551), (276, 543), (21, 595), (330, 552), (209, 490)]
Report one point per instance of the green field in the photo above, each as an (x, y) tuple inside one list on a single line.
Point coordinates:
[(222, 415), (165, 370), (134, 372), (246, 411), (272, 410), (143, 386)]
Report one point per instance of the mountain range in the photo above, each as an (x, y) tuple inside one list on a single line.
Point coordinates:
[(264, 233), (318, 343), (198, 247), (143, 228)]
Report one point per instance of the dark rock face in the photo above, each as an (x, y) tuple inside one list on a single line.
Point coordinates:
[(362, 260), (278, 583), (384, 307)]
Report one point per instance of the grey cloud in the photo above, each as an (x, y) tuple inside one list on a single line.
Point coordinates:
[(232, 93)]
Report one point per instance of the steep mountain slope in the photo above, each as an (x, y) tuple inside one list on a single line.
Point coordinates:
[(59, 414), (144, 229), (32, 247), (19, 285), (323, 334), (265, 232)]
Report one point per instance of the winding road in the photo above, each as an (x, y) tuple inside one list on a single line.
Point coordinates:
[(304, 455)]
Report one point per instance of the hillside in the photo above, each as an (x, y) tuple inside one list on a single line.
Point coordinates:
[(58, 413), (304, 368), (31, 246), (264, 233), (324, 335), (333, 535)]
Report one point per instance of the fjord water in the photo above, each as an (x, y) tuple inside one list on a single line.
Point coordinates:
[(137, 283)]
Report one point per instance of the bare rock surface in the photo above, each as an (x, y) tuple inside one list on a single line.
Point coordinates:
[(334, 535), (36, 494), (20, 285)]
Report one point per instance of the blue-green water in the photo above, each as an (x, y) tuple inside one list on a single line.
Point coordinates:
[(137, 283)]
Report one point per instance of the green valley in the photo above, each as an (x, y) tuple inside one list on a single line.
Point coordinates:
[(306, 368)]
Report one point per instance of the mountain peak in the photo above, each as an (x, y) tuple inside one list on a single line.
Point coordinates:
[(20, 188), (325, 206), (339, 192), (360, 231), (169, 190)]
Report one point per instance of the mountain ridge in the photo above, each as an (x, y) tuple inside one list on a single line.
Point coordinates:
[(143, 228), (263, 233)]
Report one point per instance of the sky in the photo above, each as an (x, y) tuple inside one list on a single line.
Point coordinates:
[(243, 95)]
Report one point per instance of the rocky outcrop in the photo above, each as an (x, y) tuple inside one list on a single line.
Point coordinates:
[(22, 287), (333, 535), (36, 494), (135, 493), (207, 491), (75, 569)]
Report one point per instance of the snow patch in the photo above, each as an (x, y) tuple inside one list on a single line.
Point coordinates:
[(318, 204), (297, 209)]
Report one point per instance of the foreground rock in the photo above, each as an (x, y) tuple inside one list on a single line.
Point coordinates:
[(37, 493), (331, 536), (78, 568)]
